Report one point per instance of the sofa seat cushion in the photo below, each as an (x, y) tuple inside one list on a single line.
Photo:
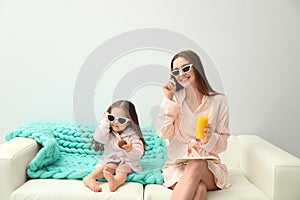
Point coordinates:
[(241, 189), (53, 189)]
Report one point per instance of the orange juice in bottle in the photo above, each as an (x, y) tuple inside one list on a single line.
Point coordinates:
[(201, 122)]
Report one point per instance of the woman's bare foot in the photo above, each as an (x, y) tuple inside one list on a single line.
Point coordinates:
[(92, 184), (112, 183)]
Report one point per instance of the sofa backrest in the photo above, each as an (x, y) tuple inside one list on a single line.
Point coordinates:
[(230, 156)]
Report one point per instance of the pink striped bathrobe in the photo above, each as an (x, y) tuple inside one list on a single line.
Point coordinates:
[(177, 124)]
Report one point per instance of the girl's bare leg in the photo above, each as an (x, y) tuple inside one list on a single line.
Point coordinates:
[(110, 167), (121, 174), (115, 182), (196, 171), (90, 180)]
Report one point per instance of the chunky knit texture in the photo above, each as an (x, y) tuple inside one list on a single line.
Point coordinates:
[(67, 151)]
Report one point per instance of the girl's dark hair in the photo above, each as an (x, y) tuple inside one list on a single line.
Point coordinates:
[(131, 114), (203, 85)]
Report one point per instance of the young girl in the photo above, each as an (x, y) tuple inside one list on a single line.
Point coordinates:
[(120, 135)]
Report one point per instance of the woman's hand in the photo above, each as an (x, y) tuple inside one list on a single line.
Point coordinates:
[(194, 144), (127, 147), (207, 132), (169, 89)]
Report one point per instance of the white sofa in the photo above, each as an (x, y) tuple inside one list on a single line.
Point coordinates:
[(258, 169)]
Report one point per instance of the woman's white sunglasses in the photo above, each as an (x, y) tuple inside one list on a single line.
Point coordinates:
[(120, 120), (184, 69)]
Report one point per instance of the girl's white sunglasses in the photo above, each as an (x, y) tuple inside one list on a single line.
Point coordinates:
[(120, 120), (184, 69)]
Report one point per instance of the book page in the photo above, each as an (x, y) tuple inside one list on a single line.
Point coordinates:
[(182, 160), (192, 154)]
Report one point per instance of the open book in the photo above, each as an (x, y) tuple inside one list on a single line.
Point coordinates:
[(192, 154)]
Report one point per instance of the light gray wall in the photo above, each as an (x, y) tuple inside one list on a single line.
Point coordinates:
[(254, 46)]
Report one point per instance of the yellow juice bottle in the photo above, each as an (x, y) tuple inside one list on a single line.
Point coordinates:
[(201, 122)]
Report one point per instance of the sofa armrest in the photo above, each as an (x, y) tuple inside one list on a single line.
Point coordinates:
[(270, 168), (14, 158)]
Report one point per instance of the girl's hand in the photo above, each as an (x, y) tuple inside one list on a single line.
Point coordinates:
[(104, 115), (127, 147), (169, 89), (104, 125)]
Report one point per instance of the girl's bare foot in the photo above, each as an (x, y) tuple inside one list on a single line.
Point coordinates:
[(92, 184), (112, 183)]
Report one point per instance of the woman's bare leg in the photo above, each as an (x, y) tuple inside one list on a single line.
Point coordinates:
[(201, 192), (196, 171)]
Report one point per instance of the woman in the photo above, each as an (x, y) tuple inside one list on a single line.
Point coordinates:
[(187, 95)]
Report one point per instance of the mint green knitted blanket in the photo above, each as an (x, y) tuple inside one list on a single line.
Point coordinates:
[(68, 153)]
